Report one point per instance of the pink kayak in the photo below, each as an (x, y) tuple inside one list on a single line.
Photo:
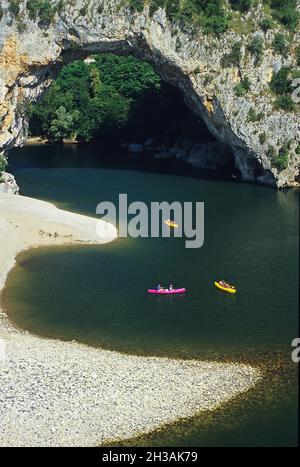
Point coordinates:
[(166, 292)]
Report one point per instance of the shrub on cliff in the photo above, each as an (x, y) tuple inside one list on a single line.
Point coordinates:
[(255, 47), (243, 87), (137, 5), (281, 82), (279, 44), (233, 58), (298, 55), (156, 4), (212, 15), (266, 24), (286, 13), (14, 7), (281, 160), (240, 5), (43, 10), (281, 85), (284, 102), (262, 138), (208, 14), (254, 116)]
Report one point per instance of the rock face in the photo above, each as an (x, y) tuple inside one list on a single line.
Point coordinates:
[(31, 53), (8, 184), (211, 155)]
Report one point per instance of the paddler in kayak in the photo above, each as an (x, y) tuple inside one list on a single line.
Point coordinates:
[(170, 223), (224, 284), (159, 287)]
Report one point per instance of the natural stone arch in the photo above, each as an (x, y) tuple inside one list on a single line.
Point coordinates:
[(30, 59)]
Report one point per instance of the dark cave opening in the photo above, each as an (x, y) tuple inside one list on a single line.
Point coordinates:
[(160, 129)]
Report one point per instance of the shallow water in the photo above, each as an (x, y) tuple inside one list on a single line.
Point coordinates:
[(97, 294)]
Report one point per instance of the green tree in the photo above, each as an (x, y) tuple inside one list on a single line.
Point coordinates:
[(129, 76), (63, 125), (104, 95)]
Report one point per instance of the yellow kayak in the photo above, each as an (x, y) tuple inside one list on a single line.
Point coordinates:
[(225, 289), (171, 224)]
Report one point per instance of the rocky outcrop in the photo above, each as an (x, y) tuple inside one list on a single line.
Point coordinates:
[(212, 155), (8, 184), (31, 52)]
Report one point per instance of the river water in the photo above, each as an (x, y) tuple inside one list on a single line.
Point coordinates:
[(97, 294)]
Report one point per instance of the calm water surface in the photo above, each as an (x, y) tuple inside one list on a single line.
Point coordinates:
[(97, 294)]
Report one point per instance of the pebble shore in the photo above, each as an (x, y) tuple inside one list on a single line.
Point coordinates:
[(55, 393)]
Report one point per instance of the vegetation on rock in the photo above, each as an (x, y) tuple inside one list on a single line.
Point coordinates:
[(254, 116), (262, 137), (234, 57), (213, 16), (240, 5), (279, 44), (243, 87), (279, 159), (14, 7), (285, 11), (281, 85), (266, 24), (255, 47), (44, 10)]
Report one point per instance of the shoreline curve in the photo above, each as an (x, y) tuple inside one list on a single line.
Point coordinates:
[(56, 393)]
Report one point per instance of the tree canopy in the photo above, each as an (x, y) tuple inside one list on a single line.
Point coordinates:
[(94, 98)]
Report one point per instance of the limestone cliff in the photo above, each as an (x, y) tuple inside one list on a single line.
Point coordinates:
[(32, 51)]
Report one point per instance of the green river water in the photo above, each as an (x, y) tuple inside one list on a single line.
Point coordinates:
[(96, 294)]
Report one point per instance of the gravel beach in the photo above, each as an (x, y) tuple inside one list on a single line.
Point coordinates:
[(55, 393)]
